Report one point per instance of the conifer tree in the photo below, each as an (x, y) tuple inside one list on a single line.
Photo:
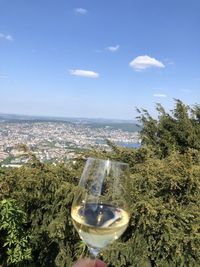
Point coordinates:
[(164, 192)]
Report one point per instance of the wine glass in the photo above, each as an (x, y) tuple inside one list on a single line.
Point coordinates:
[(100, 208)]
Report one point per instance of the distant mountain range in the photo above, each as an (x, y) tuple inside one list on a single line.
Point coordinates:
[(126, 125), (17, 117)]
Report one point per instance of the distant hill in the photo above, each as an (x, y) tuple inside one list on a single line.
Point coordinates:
[(126, 125)]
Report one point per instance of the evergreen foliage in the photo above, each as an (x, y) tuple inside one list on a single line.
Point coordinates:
[(164, 192), (179, 130)]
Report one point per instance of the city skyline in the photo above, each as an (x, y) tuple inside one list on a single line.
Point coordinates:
[(97, 59)]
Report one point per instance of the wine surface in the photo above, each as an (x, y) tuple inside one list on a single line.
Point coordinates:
[(99, 224)]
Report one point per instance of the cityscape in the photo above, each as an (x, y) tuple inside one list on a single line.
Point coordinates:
[(60, 141)]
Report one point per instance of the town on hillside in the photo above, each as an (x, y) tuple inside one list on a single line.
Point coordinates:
[(56, 141)]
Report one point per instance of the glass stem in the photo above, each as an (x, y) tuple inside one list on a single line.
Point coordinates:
[(93, 252)]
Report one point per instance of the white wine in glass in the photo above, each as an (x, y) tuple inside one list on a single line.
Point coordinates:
[(100, 210)]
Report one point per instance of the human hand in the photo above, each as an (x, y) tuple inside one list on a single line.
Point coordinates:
[(89, 263)]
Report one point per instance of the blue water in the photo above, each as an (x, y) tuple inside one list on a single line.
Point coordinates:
[(131, 145), (123, 144)]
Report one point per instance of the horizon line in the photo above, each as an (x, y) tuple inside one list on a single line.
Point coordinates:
[(65, 117)]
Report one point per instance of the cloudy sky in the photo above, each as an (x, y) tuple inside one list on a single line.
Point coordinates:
[(98, 58)]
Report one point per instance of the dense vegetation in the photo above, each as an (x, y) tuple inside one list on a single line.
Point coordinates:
[(164, 230)]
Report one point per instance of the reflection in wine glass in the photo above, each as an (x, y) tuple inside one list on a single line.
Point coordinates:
[(99, 210)]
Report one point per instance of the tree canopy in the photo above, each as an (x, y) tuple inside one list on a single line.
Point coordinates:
[(164, 191), (175, 131)]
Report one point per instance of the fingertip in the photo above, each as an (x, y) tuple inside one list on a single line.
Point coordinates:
[(85, 263), (100, 263), (89, 263)]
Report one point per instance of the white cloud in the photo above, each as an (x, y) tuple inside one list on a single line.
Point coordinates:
[(113, 48), (143, 62), (81, 11), (84, 73), (160, 95), (6, 37), (9, 37)]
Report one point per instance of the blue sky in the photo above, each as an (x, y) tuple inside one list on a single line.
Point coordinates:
[(98, 58)]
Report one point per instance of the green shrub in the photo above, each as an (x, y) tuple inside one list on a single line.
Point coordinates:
[(14, 241)]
